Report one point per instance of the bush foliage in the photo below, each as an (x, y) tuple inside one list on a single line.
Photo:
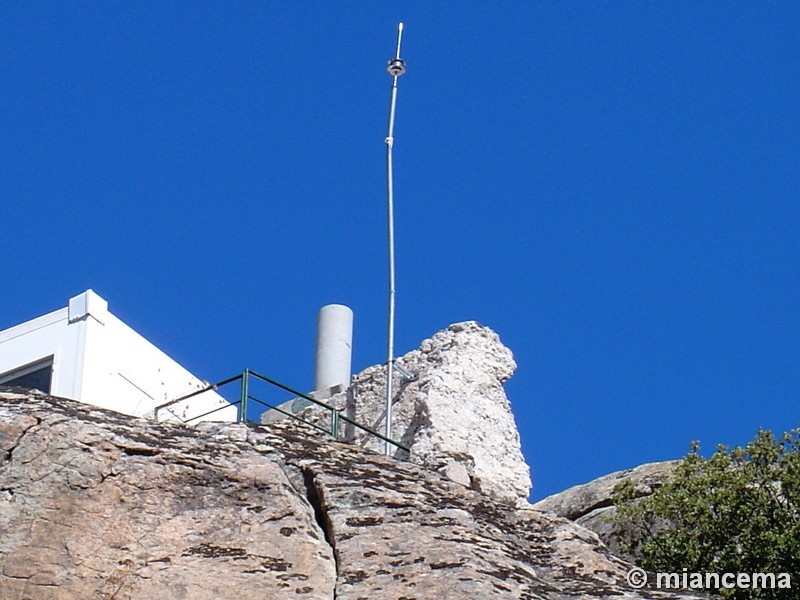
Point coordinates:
[(736, 512)]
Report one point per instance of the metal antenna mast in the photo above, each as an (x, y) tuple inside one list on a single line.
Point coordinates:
[(396, 67)]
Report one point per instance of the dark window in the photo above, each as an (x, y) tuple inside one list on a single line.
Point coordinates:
[(38, 375)]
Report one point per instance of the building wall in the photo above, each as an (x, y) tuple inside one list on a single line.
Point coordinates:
[(100, 360)]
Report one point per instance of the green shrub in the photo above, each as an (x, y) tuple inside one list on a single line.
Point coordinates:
[(736, 512)]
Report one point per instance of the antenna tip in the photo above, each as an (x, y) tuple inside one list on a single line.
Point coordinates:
[(400, 26)]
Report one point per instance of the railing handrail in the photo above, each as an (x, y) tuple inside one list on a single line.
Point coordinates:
[(242, 417)]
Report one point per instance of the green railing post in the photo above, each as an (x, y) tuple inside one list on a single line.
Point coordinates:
[(335, 423), (243, 398)]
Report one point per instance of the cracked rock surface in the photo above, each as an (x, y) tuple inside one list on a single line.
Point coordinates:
[(98, 505)]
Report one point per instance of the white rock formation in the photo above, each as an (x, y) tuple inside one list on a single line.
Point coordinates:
[(454, 416)]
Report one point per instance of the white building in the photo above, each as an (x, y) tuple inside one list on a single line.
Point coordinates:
[(85, 353)]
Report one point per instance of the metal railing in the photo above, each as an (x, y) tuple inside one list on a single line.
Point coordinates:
[(245, 397)]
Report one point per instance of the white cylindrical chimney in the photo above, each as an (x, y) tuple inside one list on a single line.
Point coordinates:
[(334, 346)]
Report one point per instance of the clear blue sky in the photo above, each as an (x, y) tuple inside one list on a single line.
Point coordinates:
[(613, 187)]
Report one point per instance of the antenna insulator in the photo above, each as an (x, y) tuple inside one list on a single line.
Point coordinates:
[(396, 67)]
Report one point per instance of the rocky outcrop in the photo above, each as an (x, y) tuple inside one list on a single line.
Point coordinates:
[(97, 505), (452, 412), (592, 505)]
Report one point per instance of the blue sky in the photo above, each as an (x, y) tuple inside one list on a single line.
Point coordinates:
[(612, 187)]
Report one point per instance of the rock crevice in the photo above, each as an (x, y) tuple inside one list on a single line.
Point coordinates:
[(316, 498)]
